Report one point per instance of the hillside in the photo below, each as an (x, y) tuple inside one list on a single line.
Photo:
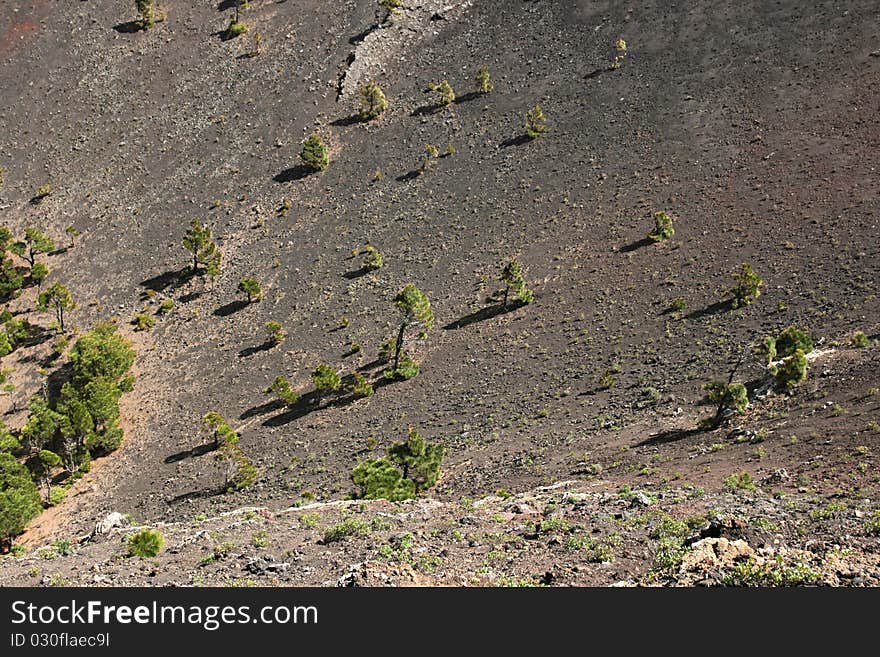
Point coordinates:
[(755, 127)]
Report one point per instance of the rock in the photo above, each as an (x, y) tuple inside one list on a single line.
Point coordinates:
[(640, 498), (716, 554), (110, 522)]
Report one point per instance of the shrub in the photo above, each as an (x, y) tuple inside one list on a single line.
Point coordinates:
[(166, 306), (373, 259), (406, 369), (281, 388), (251, 288), (380, 479), (326, 380), (792, 370), (619, 53), (535, 122), (677, 304), (484, 80), (740, 481), (219, 429), (11, 280), (512, 277), (146, 543), (315, 154), (101, 352), (663, 228), (444, 91), (276, 333), (36, 242), (348, 527), (431, 154), (39, 272), (747, 286), (143, 322), (6, 345), (373, 101), (859, 339)]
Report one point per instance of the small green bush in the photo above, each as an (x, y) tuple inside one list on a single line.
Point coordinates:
[(792, 370), (535, 122), (859, 339), (747, 286), (236, 29), (663, 228), (348, 527), (741, 481), (315, 153), (146, 543), (143, 322)]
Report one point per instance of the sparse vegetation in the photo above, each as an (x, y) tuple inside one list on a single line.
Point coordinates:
[(359, 385), (445, 92), (740, 481), (373, 259), (143, 322), (146, 13), (860, 340), (276, 332), (326, 380), (282, 390), (619, 54)]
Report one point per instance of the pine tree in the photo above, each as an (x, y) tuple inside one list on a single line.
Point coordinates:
[(251, 288), (281, 388), (219, 429), (444, 91), (276, 332), (315, 153), (747, 286), (146, 13), (35, 243), (326, 380), (199, 241), (19, 498), (419, 459), (373, 101), (512, 277), (58, 299), (663, 228), (535, 122), (39, 272), (484, 81), (373, 259), (415, 311)]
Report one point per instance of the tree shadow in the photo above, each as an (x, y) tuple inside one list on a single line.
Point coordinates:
[(197, 495), (225, 35), (129, 27), (373, 364), (57, 379), (635, 246), (426, 110), (714, 309), (409, 175), (469, 96), (357, 39), (36, 200), (59, 251), (262, 409), (354, 119), (482, 314), (230, 308), (191, 296), (226, 4), (356, 273), (596, 73), (309, 403), (292, 174), (515, 141), (168, 279), (250, 351), (198, 450), (668, 436)]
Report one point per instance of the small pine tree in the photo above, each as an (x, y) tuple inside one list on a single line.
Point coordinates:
[(45, 462), (146, 543), (619, 53), (219, 429), (251, 288), (791, 340), (663, 228), (373, 101), (326, 380), (276, 333), (281, 388), (58, 299), (792, 370), (747, 286), (444, 91), (315, 153), (535, 122), (19, 497), (146, 13), (419, 460), (380, 479), (359, 385), (415, 311), (36, 242), (512, 277), (431, 155), (199, 241), (72, 233), (484, 80), (373, 259)]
